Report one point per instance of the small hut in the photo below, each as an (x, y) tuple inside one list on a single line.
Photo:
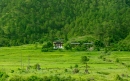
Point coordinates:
[(58, 45)]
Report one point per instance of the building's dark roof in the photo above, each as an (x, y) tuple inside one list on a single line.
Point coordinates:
[(58, 42)]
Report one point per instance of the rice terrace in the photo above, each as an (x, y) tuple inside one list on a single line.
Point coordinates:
[(64, 40), (25, 63)]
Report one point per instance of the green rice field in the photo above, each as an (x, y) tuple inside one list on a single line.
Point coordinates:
[(111, 66)]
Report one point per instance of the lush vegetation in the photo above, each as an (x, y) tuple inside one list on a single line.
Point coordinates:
[(26, 63), (104, 24), (29, 21)]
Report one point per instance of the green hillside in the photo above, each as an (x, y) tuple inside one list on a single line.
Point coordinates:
[(29, 21)]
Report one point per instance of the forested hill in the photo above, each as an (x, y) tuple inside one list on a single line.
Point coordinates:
[(28, 21)]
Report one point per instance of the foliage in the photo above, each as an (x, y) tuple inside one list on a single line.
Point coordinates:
[(34, 78), (84, 59), (76, 70), (45, 78), (55, 63), (86, 71), (17, 78), (29, 21), (98, 43), (37, 66), (118, 78), (76, 66), (12, 71), (68, 46), (66, 70), (124, 45), (78, 47), (47, 47), (117, 60), (3, 76)]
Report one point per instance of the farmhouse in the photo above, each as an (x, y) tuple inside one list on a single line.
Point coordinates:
[(58, 45)]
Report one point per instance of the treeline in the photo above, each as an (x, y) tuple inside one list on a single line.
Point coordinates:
[(29, 21)]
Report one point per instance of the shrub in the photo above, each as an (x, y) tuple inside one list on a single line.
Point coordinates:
[(76, 70), (36, 45), (128, 66), (104, 59), (44, 49), (98, 43), (118, 78), (101, 56), (34, 78), (91, 79), (117, 60), (77, 48), (3, 76), (84, 59), (123, 64), (71, 67), (124, 45), (76, 66), (97, 49), (55, 78), (66, 70), (17, 78), (29, 67), (68, 46), (106, 50), (45, 78), (12, 71), (86, 71), (84, 47), (37, 66), (47, 47)]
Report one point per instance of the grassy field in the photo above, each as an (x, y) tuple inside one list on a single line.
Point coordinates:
[(102, 67)]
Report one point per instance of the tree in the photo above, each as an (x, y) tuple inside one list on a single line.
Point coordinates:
[(37, 66), (68, 46), (107, 21), (84, 59), (47, 47)]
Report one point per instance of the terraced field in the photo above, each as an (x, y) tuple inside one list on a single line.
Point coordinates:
[(111, 66)]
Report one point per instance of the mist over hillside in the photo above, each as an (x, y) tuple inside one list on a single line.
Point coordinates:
[(29, 21)]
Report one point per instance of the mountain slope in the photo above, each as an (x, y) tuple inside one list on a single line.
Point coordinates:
[(28, 21)]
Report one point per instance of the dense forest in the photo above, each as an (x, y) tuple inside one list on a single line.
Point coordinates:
[(30, 21)]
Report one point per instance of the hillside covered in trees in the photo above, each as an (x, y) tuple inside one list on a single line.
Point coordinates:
[(29, 21)]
